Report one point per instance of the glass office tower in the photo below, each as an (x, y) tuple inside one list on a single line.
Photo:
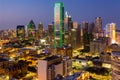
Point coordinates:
[(58, 24)]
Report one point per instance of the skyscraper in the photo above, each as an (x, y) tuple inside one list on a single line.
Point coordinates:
[(98, 24), (58, 24), (98, 28), (85, 27), (67, 22), (20, 31), (111, 32), (40, 30), (68, 25), (31, 30)]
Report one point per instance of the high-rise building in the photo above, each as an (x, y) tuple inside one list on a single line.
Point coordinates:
[(111, 32), (85, 27), (92, 28), (51, 30), (118, 36), (98, 28), (51, 34), (40, 30), (68, 25), (67, 22), (98, 24), (31, 30), (76, 26), (58, 24), (20, 31)]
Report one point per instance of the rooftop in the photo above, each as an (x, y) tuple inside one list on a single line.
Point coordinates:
[(51, 58)]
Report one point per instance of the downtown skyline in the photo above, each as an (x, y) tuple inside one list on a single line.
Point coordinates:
[(14, 12)]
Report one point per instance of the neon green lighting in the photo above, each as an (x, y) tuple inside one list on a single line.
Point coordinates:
[(58, 24)]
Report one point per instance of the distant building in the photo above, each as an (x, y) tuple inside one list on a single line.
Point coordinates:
[(98, 28), (67, 22), (118, 36), (20, 31), (111, 32), (98, 24), (98, 46), (73, 38), (91, 28), (31, 30), (85, 27), (105, 57), (51, 34), (51, 30), (68, 25), (75, 35), (40, 30), (65, 51)]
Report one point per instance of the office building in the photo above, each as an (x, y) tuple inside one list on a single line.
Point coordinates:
[(75, 35), (118, 36), (115, 73), (98, 46), (40, 30), (50, 34), (98, 24), (68, 25), (20, 31), (31, 30), (85, 27), (58, 24), (67, 22), (51, 67), (65, 51), (98, 28), (111, 32), (91, 28)]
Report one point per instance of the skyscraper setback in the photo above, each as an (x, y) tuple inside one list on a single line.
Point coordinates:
[(58, 24)]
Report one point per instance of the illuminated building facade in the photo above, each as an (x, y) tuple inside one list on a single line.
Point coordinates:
[(68, 25), (20, 31), (67, 22), (76, 26), (51, 30), (98, 24), (118, 36), (115, 73), (97, 46), (51, 34), (31, 30), (111, 32), (50, 67), (40, 30), (98, 28), (58, 24)]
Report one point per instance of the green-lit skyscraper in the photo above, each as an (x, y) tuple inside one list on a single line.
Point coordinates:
[(58, 24), (31, 30)]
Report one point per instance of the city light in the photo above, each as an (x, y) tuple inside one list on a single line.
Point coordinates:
[(67, 48)]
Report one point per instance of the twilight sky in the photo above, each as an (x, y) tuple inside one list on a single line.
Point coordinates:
[(16, 12)]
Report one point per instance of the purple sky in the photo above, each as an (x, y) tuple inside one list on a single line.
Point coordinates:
[(16, 12)]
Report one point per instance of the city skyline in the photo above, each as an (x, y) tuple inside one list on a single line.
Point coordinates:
[(15, 12)]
